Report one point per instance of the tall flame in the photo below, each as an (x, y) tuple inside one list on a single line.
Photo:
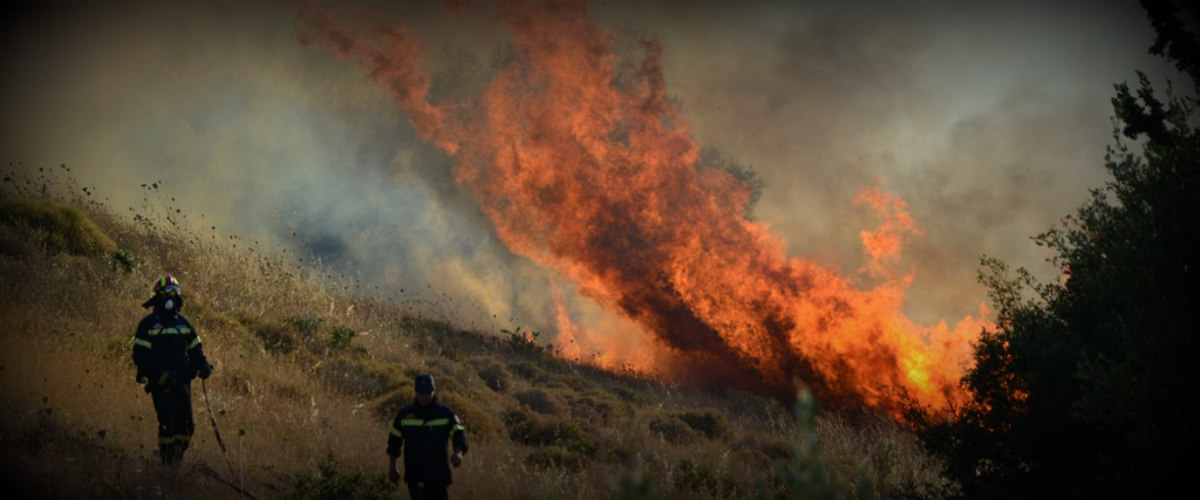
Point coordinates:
[(593, 172)]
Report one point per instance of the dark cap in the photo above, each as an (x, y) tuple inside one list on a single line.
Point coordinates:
[(424, 383)]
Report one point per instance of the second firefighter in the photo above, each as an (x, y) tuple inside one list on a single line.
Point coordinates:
[(424, 430)]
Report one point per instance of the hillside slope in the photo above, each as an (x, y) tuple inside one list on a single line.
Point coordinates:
[(311, 367)]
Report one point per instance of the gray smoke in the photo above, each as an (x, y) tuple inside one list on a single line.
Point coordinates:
[(990, 120)]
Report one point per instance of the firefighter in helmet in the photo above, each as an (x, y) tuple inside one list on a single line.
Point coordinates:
[(424, 429), (168, 355)]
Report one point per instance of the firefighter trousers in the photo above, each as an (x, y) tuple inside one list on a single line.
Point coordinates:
[(173, 405), (420, 490)]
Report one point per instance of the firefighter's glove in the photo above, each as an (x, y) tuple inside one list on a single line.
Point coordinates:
[(456, 458), (393, 475), (205, 371)]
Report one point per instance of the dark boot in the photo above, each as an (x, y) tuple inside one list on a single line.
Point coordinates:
[(179, 449), (171, 453), (164, 453)]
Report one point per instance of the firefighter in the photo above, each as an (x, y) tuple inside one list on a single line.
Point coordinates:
[(423, 429), (168, 355)]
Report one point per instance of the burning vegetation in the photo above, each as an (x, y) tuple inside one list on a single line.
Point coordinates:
[(311, 368), (584, 165)]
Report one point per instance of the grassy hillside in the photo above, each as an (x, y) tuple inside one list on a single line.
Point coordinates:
[(311, 367)]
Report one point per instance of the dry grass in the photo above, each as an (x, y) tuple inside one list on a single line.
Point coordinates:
[(309, 364)]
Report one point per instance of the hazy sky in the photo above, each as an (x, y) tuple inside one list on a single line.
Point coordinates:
[(989, 119)]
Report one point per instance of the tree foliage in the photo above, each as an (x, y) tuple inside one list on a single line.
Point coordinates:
[(1081, 388)]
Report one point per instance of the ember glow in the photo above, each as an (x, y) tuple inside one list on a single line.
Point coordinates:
[(586, 167)]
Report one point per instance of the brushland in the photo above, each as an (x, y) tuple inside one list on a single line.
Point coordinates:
[(311, 367)]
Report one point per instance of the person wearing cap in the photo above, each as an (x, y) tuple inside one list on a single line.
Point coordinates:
[(423, 429), (168, 355)]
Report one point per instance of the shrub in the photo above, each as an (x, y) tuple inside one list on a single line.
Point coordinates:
[(363, 378), (672, 430), (573, 437), (328, 483), (127, 261), (529, 371), (387, 406), (480, 424), (536, 430), (523, 342), (340, 337), (424, 333), (495, 376), (709, 423), (891, 456), (540, 401), (595, 410), (306, 326), (629, 395), (276, 337), (63, 228)]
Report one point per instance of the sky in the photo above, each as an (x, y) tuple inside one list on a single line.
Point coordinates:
[(988, 119)]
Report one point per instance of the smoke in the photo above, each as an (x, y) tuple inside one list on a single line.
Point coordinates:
[(989, 122), (584, 166), (255, 134), (988, 119)]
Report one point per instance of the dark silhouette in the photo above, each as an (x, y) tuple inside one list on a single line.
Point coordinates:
[(168, 355), (1081, 389)]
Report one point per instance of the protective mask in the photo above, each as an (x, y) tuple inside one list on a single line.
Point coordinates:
[(170, 303)]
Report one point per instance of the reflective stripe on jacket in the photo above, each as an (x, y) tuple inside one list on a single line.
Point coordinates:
[(423, 433), (167, 343)]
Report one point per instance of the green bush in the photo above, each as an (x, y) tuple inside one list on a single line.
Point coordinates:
[(127, 261), (62, 228), (329, 483), (1080, 388), (340, 337), (306, 326)]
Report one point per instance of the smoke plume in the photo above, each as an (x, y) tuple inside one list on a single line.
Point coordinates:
[(777, 190)]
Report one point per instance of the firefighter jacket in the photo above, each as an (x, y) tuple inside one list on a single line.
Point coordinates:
[(166, 345), (423, 432)]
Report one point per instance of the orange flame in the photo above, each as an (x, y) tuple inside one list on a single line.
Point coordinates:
[(594, 173), (883, 245)]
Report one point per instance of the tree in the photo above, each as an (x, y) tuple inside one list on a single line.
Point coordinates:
[(1081, 388)]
